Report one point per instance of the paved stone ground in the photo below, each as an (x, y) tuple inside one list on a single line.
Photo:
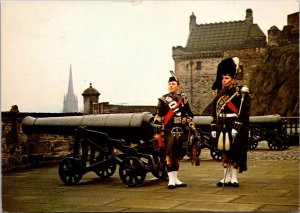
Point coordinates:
[(270, 184)]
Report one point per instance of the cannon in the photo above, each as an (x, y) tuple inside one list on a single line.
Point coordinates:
[(95, 151), (268, 128)]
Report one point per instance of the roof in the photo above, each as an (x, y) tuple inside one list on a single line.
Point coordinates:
[(225, 35), (90, 91)]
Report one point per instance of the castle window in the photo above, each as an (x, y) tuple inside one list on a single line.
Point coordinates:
[(198, 65)]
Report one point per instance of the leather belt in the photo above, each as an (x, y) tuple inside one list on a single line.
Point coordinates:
[(228, 115)]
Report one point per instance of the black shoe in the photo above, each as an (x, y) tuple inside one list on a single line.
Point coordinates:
[(220, 184), (181, 185), (171, 186), (235, 184)]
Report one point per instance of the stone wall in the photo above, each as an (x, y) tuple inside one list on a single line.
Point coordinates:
[(197, 74), (196, 81), (20, 150)]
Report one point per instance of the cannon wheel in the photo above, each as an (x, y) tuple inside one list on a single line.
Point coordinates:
[(70, 171), (108, 169), (253, 145), (275, 143), (286, 142), (160, 169), (216, 154), (132, 171)]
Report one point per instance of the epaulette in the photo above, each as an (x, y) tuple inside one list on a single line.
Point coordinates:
[(185, 99), (164, 98), (245, 89), (242, 88)]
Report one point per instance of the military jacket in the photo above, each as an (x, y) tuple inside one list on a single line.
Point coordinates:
[(233, 96), (166, 102)]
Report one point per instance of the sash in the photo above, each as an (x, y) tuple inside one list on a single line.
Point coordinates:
[(232, 107), (171, 112), (229, 104)]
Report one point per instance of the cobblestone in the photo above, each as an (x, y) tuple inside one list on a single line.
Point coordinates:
[(262, 152)]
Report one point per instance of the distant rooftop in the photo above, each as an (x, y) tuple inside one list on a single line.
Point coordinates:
[(225, 35)]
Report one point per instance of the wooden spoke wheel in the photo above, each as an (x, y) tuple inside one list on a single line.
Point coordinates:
[(253, 145), (275, 144), (132, 171), (216, 154), (70, 171), (107, 170), (160, 170)]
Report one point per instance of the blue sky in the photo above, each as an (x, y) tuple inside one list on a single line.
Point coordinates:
[(124, 48)]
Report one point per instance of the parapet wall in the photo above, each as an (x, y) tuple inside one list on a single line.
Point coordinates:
[(20, 150)]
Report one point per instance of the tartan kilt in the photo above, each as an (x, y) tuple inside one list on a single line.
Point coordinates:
[(173, 142)]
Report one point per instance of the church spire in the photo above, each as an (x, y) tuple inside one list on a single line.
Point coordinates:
[(70, 99), (70, 88)]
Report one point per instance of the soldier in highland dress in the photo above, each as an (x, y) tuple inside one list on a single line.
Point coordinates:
[(173, 113), (230, 121)]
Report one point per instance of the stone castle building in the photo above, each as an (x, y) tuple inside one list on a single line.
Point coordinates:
[(70, 99), (207, 45)]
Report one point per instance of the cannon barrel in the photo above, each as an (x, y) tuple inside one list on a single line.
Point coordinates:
[(266, 119), (202, 120), (122, 125), (259, 120), (132, 126)]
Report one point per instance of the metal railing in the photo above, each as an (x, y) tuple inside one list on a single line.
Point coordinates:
[(291, 125)]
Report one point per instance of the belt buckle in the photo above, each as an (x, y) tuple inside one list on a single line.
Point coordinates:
[(227, 115), (176, 130), (177, 120)]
